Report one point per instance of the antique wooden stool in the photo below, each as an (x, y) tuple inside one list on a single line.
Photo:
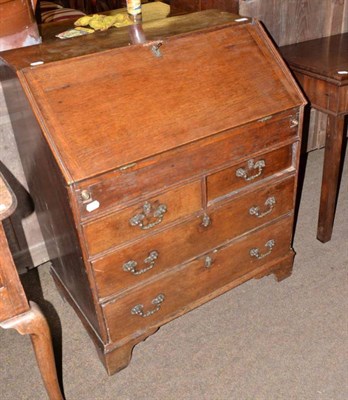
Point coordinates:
[(321, 67), (15, 312)]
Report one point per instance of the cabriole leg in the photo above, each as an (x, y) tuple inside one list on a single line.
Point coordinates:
[(34, 323)]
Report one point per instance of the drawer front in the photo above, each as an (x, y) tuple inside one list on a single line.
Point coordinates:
[(248, 172), (166, 298), (132, 265), (142, 218), (197, 159)]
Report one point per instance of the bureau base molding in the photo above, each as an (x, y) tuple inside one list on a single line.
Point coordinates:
[(281, 270), (66, 296), (117, 356), (120, 357)]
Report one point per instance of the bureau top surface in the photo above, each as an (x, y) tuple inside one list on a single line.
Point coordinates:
[(103, 110)]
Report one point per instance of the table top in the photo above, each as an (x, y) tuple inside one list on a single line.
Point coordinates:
[(150, 12), (155, 30), (326, 57)]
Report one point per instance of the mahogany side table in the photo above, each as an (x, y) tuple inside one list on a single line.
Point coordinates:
[(321, 68), (15, 312)]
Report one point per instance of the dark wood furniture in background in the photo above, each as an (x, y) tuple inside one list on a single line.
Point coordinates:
[(321, 68), (296, 21), (15, 312), (93, 6), (184, 6), (164, 173)]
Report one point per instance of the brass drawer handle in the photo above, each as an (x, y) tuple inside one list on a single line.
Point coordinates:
[(139, 308), (130, 266), (151, 216), (255, 210), (255, 252), (293, 122), (244, 173)]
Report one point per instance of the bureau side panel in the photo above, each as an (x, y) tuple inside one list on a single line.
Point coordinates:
[(50, 197), (22, 228)]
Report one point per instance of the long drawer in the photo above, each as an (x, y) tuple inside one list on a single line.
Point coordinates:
[(131, 265), (196, 159), (164, 299)]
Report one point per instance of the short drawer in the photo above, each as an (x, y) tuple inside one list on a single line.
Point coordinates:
[(195, 283), (142, 218), (248, 172), (197, 159), (132, 265)]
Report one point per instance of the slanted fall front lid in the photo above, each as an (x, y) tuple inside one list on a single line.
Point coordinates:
[(104, 110)]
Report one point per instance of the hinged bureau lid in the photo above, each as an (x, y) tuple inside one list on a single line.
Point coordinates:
[(104, 110)]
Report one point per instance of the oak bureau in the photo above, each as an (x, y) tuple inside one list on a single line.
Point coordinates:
[(164, 173)]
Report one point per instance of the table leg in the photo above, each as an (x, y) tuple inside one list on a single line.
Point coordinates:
[(34, 323), (330, 180)]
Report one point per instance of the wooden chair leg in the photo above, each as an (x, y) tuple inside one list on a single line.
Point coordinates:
[(34, 323), (330, 181)]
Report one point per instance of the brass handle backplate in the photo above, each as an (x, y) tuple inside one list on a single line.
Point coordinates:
[(85, 196), (130, 266), (251, 166), (151, 215), (208, 262), (210, 259), (139, 308), (255, 210), (206, 221), (294, 122), (255, 252)]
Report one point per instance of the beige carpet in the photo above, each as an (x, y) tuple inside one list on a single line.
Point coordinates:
[(261, 341)]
